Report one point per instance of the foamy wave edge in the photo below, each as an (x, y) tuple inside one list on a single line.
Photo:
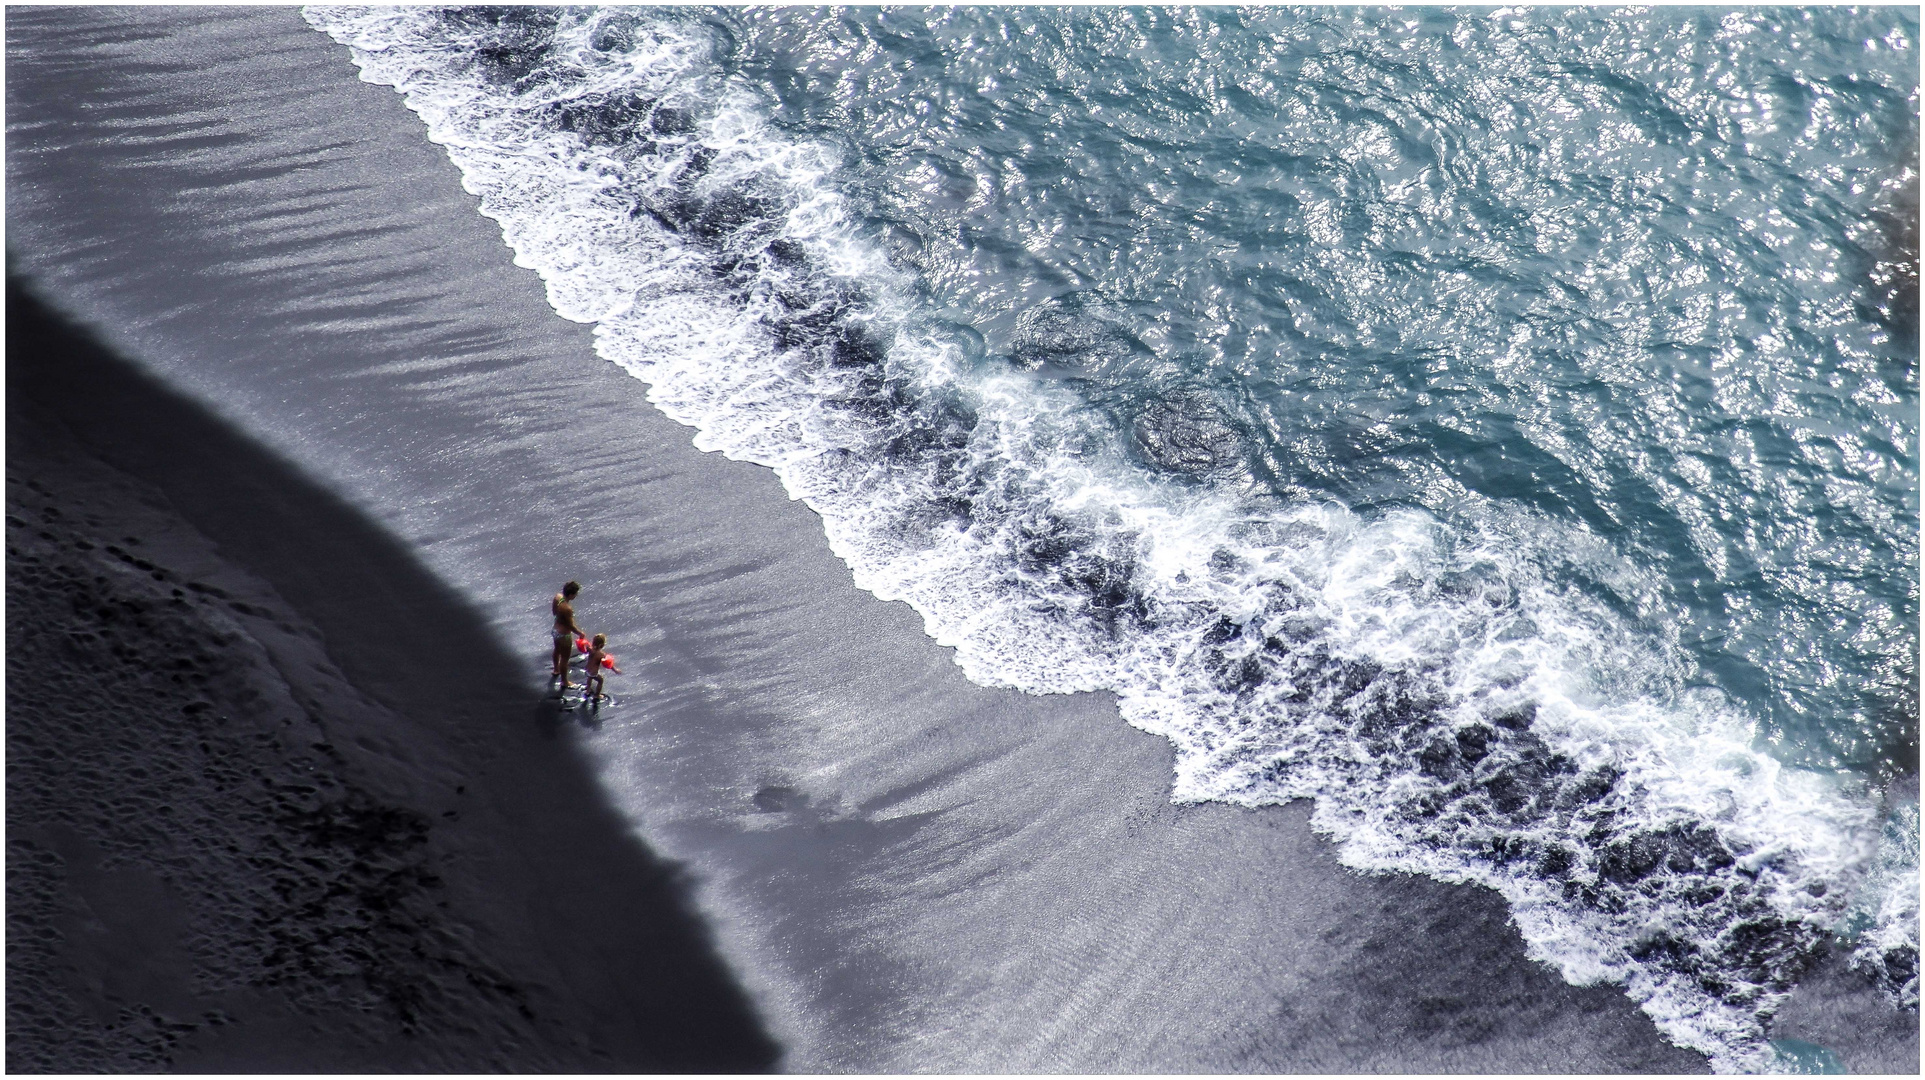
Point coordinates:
[(1450, 710)]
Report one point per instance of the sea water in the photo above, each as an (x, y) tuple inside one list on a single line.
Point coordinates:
[(1498, 425)]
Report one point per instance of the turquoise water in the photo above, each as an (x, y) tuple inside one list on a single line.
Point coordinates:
[(1799, 1058), (1499, 426), (1616, 271)]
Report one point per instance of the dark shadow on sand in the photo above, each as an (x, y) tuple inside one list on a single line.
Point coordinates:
[(653, 993)]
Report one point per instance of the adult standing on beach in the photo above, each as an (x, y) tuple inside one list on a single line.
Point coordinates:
[(565, 629)]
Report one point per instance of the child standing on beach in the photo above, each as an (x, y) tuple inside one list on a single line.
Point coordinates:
[(598, 659)]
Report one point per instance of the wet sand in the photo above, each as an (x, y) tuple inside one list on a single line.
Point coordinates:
[(902, 871)]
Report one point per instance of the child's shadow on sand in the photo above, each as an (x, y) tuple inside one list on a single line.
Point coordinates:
[(556, 710)]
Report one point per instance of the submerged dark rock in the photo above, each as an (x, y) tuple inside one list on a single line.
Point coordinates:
[(1187, 433), (1082, 332)]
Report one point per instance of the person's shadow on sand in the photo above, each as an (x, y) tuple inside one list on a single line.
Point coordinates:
[(551, 712)]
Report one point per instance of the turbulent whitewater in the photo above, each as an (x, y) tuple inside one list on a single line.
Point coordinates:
[(1499, 427)]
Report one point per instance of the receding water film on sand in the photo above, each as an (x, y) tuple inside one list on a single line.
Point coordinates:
[(1406, 520)]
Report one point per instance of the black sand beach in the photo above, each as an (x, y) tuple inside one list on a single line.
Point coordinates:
[(227, 853), (799, 838)]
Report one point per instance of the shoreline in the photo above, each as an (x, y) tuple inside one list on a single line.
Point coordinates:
[(163, 1015), (905, 870)]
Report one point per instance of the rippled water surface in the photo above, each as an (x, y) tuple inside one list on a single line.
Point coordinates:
[(1497, 425), (1616, 270)]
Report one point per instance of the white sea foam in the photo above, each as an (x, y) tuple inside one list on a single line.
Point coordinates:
[(1449, 705), (1882, 922)]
